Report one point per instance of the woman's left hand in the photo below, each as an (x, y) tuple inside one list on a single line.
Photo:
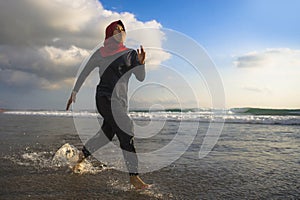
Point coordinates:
[(141, 55), (71, 100)]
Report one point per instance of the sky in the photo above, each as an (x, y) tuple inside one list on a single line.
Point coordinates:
[(255, 46)]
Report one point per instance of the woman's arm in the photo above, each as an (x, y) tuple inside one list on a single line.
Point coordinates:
[(139, 62), (89, 67), (93, 62)]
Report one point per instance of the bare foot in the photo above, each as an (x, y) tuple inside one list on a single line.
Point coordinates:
[(77, 167), (138, 183), (80, 157)]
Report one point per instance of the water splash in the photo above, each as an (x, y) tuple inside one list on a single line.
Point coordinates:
[(68, 156), (65, 157)]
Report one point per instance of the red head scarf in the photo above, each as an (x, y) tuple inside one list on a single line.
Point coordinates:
[(111, 46)]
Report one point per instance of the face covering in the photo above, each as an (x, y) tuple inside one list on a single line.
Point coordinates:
[(111, 46)]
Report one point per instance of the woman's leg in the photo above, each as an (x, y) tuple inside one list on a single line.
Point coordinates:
[(124, 129), (104, 135), (116, 116), (122, 125), (124, 132), (129, 153)]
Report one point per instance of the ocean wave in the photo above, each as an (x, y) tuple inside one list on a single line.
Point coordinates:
[(264, 111), (54, 113), (206, 116)]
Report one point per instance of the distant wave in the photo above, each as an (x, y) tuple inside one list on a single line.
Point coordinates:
[(54, 113), (237, 111), (170, 110), (236, 115), (263, 111)]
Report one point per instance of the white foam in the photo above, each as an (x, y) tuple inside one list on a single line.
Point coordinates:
[(54, 113), (152, 191), (37, 160), (68, 156), (192, 116)]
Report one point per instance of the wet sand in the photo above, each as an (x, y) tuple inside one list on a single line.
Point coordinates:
[(248, 162)]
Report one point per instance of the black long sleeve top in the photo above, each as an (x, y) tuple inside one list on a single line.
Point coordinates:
[(114, 72)]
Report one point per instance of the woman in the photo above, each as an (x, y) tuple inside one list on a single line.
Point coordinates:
[(116, 64)]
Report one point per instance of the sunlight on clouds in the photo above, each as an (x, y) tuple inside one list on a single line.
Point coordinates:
[(66, 83), (151, 36), (279, 58), (62, 57), (268, 78), (27, 81), (44, 42), (273, 67), (75, 16)]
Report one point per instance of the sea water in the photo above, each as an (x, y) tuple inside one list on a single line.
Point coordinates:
[(257, 156)]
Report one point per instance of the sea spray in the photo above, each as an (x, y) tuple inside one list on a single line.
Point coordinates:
[(68, 155), (234, 115)]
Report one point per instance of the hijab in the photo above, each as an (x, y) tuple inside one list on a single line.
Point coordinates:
[(111, 46)]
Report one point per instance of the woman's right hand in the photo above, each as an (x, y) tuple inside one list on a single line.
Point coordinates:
[(71, 100), (141, 55)]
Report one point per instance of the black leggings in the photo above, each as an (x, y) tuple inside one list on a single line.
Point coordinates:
[(115, 121)]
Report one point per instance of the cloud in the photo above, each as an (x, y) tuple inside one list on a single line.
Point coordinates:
[(256, 89), (19, 78), (279, 58), (266, 78), (46, 62), (42, 43)]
